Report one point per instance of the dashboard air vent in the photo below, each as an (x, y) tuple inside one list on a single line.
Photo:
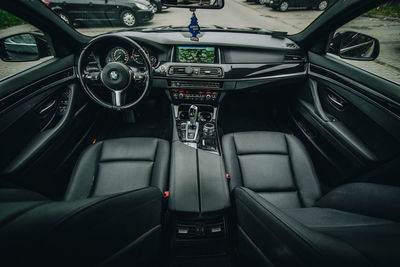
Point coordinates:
[(293, 57), (195, 71), (291, 45), (210, 71)]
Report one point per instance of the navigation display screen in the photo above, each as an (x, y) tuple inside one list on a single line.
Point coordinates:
[(195, 54)]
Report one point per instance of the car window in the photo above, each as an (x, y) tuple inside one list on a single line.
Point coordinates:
[(19, 45), (382, 23)]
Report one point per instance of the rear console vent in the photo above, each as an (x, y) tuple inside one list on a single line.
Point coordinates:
[(200, 229)]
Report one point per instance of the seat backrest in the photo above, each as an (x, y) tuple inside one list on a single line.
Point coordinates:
[(275, 165), (113, 230)]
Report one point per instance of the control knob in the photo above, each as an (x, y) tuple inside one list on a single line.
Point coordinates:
[(209, 129), (189, 70)]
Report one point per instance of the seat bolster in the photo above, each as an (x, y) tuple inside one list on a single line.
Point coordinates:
[(380, 201), (83, 175), (303, 171), (286, 242), (231, 161), (161, 165)]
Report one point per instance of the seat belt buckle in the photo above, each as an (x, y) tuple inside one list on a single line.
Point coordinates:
[(228, 177)]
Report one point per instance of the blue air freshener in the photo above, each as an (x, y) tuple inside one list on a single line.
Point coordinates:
[(194, 28)]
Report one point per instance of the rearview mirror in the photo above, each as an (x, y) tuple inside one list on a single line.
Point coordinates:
[(203, 4), (354, 45), (24, 47)]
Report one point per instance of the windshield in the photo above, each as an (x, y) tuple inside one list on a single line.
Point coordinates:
[(95, 17)]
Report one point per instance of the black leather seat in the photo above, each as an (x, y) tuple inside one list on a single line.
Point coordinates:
[(112, 215), (284, 221), (119, 165), (117, 230)]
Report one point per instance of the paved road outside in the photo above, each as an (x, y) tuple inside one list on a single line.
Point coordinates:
[(241, 14)]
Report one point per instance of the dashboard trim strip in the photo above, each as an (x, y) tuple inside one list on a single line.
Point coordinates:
[(296, 74)]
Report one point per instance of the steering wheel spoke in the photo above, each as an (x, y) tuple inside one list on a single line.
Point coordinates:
[(140, 76), (92, 76), (118, 98)]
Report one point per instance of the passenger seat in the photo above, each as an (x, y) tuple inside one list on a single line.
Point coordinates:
[(283, 220)]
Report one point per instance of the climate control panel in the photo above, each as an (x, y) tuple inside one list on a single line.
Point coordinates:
[(194, 96)]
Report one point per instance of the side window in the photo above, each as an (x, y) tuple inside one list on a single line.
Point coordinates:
[(22, 46), (356, 42)]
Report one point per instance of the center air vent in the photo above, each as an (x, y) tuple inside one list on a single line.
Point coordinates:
[(210, 71), (194, 71)]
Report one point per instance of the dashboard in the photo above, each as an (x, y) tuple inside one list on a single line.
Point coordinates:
[(220, 61)]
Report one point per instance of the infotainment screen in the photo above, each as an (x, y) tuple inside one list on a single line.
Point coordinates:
[(195, 54)]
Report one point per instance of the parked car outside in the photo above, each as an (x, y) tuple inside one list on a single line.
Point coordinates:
[(284, 5), (129, 13), (157, 5)]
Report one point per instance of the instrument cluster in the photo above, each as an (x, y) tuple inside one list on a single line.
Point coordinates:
[(130, 56)]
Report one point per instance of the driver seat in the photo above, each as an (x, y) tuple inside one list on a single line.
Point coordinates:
[(120, 165)]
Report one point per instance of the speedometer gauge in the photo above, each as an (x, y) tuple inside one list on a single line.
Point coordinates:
[(119, 54)]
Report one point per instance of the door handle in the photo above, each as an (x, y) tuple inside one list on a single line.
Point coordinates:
[(46, 107), (336, 101), (317, 103)]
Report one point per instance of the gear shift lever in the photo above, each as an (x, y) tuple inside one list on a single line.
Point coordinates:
[(193, 115)]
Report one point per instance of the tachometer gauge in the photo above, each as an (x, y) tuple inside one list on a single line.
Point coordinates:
[(120, 54), (137, 57)]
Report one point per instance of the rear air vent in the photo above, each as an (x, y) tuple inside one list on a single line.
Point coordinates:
[(200, 229)]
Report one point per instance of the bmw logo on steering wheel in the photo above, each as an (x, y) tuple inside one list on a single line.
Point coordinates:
[(114, 75)]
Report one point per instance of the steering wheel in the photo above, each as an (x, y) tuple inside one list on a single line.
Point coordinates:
[(117, 77)]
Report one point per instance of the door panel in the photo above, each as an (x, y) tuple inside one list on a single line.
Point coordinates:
[(42, 118), (353, 126)]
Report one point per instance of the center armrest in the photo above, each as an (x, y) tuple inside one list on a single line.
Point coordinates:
[(197, 181)]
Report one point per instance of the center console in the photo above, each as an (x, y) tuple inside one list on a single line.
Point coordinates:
[(196, 126), (199, 201)]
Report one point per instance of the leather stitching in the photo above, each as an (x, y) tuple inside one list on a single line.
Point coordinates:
[(237, 158), (293, 173), (154, 160), (94, 179)]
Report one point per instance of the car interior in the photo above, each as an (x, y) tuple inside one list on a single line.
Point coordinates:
[(146, 148)]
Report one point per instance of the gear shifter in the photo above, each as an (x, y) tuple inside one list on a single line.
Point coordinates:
[(192, 127), (193, 115)]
